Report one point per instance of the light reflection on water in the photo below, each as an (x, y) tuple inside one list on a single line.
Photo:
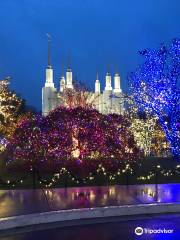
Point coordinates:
[(14, 202)]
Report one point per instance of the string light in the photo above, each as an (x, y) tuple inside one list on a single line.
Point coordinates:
[(9, 107), (155, 89), (79, 134)]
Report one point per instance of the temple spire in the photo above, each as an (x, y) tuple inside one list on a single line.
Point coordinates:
[(108, 69), (97, 84), (62, 68), (49, 50), (69, 60), (49, 70)]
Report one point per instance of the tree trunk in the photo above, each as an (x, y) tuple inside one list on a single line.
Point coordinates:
[(34, 177)]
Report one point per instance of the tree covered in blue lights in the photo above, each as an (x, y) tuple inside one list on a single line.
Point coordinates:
[(155, 88)]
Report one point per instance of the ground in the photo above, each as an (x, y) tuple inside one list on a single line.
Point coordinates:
[(120, 229)]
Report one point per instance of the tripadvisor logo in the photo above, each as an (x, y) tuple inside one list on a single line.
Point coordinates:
[(139, 231)]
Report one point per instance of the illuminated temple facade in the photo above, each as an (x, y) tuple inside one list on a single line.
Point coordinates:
[(107, 101)]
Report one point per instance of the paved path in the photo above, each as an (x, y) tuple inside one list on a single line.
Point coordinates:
[(18, 202)]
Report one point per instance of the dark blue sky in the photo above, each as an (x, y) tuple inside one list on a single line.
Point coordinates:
[(95, 33)]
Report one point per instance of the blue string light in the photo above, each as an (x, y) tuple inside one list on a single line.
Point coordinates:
[(155, 88)]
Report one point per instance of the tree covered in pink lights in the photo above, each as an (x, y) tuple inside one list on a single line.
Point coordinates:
[(76, 133), (29, 142)]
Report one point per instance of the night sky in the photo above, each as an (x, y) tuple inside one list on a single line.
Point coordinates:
[(92, 34)]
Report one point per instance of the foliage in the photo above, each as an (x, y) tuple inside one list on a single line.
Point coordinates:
[(79, 96), (155, 88), (77, 133), (10, 105)]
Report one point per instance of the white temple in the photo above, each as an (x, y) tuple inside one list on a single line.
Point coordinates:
[(107, 101)]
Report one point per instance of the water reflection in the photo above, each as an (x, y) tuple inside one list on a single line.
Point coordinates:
[(15, 202), (89, 197)]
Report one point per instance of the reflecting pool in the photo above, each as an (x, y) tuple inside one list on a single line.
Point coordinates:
[(16, 202)]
